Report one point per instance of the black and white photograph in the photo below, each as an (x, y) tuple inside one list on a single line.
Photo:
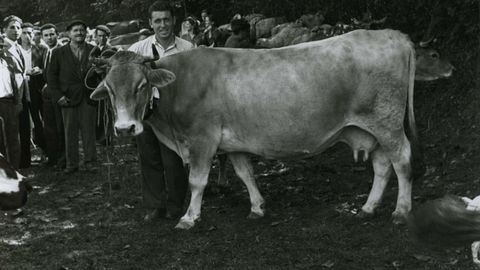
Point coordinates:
[(240, 134)]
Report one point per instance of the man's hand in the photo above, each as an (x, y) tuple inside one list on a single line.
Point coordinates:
[(19, 108), (34, 71), (98, 70), (63, 101)]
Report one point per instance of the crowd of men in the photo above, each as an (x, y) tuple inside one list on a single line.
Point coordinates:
[(43, 93)]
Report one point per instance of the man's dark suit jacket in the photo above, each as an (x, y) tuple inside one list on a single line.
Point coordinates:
[(66, 74), (37, 81)]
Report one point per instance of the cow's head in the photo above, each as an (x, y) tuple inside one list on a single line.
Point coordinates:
[(430, 65), (128, 84)]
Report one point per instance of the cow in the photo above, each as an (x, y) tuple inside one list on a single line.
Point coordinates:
[(356, 88), (284, 37), (312, 20), (263, 28), (125, 27), (431, 65), (316, 33), (13, 190), (126, 40)]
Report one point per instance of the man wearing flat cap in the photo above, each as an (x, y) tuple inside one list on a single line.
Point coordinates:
[(104, 126), (66, 74)]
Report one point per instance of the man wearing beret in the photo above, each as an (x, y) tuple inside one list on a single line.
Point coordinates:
[(66, 73)]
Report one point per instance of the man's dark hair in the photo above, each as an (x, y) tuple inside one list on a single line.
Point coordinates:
[(11, 18), (48, 26), (161, 6), (27, 25)]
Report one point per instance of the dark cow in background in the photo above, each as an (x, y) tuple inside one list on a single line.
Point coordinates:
[(430, 64), (284, 34), (126, 40), (13, 190), (263, 28), (125, 27), (356, 88)]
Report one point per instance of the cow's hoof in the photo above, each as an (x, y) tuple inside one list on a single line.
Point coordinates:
[(364, 215), (254, 215), (399, 219), (185, 225)]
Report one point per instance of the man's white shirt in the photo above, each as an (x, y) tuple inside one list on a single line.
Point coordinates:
[(144, 47)]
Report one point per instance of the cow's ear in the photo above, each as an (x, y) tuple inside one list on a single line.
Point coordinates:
[(101, 92), (161, 77)]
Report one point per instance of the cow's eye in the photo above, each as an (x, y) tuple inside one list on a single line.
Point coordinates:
[(434, 55)]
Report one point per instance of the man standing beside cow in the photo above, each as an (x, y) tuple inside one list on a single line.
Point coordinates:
[(165, 179)]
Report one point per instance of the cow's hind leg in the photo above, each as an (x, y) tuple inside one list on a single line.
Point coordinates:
[(401, 161), (244, 169), (397, 148), (382, 168)]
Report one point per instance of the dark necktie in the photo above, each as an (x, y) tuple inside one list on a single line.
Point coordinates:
[(47, 59), (21, 57), (156, 56)]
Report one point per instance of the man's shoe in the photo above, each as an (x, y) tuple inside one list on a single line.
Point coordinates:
[(173, 214), (70, 170), (91, 166), (154, 214)]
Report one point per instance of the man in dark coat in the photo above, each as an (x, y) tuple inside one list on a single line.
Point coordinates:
[(51, 112), (66, 75)]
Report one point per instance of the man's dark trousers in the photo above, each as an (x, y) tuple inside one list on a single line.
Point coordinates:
[(161, 190)]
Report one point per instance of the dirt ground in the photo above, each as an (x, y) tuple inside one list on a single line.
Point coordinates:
[(94, 220)]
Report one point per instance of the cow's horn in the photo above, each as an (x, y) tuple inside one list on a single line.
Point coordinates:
[(151, 61), (425, 43)]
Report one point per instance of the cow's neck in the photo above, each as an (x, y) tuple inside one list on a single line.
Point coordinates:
[(162, 123)]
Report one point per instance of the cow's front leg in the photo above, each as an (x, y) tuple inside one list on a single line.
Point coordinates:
[(198, 179), (244, 169)]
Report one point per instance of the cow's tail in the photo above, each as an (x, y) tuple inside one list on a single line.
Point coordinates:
[(417, 154), (411, 82), (444, 222)]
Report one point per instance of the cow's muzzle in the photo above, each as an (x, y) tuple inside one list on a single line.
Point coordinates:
[(131, 129)]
